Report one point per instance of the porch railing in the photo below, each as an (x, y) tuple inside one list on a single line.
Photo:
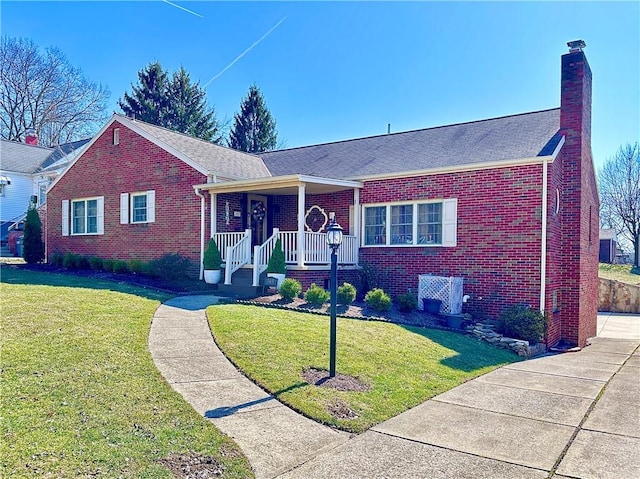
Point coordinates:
[(224, 240), (316, 250), (237, 256), (261, 255)]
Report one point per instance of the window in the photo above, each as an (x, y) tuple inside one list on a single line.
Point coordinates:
[(432, 223), (116, 136), (137, 207), (86, 218), (375, 225), (402, 224), (42, 193), (2, 187)]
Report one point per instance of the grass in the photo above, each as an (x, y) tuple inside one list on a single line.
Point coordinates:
[(80, 395), (403, 365), (618, 272)]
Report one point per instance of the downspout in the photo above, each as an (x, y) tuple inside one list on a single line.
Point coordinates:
[(202, 227), (543, 249)]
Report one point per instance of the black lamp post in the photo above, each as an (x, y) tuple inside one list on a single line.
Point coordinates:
[(334, 240)]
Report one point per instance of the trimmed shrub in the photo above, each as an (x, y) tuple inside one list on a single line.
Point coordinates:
[(56, 259), (33, 246), (70, 261), (346, 293), (316, 295), (95, 263), (120, 266), (378, 300), (277, 263), (290, 289), (407, 302), (212, 258), (107, 265), (522, 322), (137, 266), (170, 266)]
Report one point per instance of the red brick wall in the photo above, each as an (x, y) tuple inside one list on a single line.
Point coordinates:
[(134, 165), (285, 211), (321, 278), (498, 236)]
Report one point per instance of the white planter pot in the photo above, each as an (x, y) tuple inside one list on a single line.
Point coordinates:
[(212, 276), (279, 276)]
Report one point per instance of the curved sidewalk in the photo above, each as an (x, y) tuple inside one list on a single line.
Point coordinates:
[(274, 438), (573, 415)]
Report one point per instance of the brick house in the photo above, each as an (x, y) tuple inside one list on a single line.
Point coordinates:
[(509, 204)]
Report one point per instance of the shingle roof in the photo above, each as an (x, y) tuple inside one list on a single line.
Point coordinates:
[(22, 158), (498, 139), (214, 158)]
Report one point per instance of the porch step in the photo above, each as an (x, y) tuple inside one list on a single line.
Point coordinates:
[(242, 285)]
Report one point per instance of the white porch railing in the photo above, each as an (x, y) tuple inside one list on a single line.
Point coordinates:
[(237, 256), (224, 240), (261, 255), (316, 250)]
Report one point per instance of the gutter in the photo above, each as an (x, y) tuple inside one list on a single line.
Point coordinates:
[(202, 226), (543, 240)]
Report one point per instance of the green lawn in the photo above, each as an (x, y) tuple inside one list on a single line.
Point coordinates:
[(403, 365), (618, 272), (80, 395)]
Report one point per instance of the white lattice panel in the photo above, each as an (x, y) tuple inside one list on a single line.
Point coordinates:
[(446, 289)]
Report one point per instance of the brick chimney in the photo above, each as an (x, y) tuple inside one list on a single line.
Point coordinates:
[(580, 204), (31, 137)]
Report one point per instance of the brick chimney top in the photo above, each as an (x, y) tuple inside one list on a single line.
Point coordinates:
[(576, 46), (31, 137)]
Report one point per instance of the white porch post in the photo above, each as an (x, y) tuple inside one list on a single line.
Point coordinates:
[(214, 214), (301, 206), (356, 223)]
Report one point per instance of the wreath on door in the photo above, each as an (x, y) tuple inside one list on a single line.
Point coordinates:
[(259, 212)]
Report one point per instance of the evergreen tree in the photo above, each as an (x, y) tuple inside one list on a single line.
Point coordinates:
[(33, 247), (174, 103), (254, 129), (188, 111), (148, 101)]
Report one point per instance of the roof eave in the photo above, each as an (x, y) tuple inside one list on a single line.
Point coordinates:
[(462, 168), (275, 182)]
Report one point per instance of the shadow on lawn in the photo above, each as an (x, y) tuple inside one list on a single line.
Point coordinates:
[(47, 276), (471, 354), (224, 411)]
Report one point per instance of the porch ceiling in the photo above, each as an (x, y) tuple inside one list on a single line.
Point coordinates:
[(281, 185)]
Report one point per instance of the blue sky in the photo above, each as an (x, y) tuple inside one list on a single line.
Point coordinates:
[(339, 70)]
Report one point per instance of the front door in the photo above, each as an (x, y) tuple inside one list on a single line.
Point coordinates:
[(257, 218)]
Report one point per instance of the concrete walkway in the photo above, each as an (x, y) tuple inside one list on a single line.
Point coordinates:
[(575, 415)]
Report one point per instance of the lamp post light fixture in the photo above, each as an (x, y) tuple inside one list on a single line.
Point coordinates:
[(334, 240)]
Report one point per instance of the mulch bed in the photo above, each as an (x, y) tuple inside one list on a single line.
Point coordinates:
[(358, 309)]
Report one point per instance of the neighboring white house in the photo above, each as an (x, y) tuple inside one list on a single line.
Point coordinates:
[(26, 171)]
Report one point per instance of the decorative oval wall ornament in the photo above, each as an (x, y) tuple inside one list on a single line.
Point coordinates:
[(316, 219)]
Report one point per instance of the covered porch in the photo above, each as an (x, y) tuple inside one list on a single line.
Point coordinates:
[(247, 217)]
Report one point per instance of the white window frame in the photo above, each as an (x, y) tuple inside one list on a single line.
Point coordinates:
[(130, 199), (70, 216), (448, 222)]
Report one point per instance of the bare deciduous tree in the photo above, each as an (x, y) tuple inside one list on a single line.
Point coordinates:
[(619, 183), (45, 92)]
